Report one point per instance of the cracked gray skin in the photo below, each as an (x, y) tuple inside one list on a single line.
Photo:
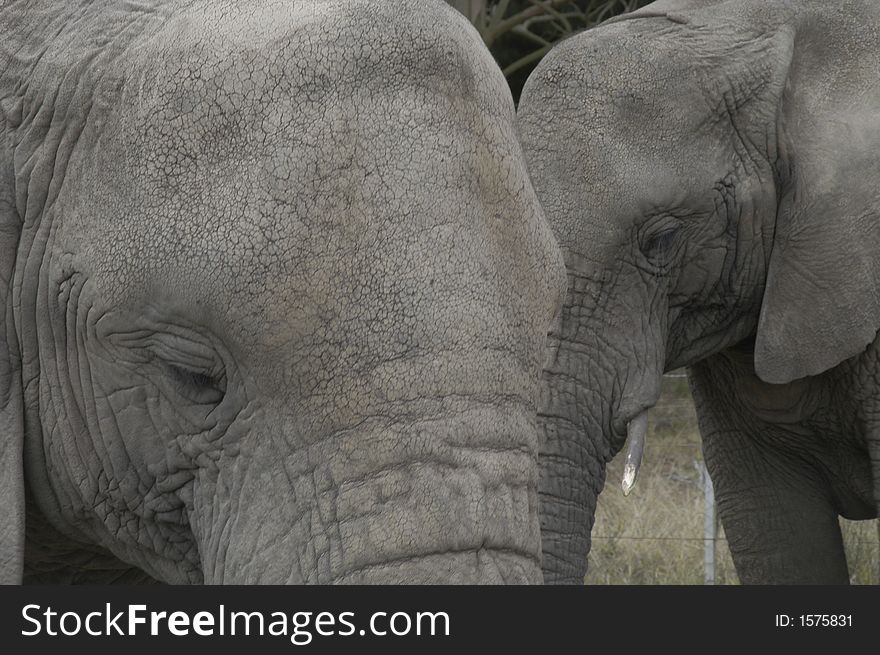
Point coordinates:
[(275, 289), (711, 171)]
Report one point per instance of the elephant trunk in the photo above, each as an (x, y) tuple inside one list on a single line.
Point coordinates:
[(572, 465), (446, 499), (602, 373)]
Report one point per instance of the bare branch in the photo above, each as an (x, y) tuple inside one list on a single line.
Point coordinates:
[(530, 58), (508, 24)]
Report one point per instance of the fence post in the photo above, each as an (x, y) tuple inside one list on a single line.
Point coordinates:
[(710, 529)]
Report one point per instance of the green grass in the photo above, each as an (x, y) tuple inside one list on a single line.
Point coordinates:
[(655, 535)]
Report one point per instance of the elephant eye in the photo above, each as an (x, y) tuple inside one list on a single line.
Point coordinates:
[(657, 244), (197, 386)]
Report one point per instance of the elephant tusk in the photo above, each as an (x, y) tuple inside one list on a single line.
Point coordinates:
[(636, 430)]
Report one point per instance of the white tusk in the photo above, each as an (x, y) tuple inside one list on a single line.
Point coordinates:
[(636, 430)]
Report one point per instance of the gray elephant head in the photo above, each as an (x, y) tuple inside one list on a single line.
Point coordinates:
[(274, 291), (704, 167)]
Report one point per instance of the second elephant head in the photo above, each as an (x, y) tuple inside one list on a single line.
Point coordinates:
[(709, 169)]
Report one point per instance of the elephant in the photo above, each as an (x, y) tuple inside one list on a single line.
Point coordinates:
[(711, 169), (275, 290)]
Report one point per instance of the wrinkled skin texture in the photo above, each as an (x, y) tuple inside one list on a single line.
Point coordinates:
[(711, 171), (275, 290)]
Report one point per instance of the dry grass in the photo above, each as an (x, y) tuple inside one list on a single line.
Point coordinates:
[(655, 536)]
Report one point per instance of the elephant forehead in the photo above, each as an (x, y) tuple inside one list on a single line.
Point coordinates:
[(635, 129), (345, 250), (267, 115), (303, 174), (226, 71), (367, 224), (242, 241)]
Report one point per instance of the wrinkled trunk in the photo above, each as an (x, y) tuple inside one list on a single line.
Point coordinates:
[(602, 373), (438, 500), (572, 465)]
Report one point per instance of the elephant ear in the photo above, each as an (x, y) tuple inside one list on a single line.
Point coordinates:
[(12, 510), (821, 303)]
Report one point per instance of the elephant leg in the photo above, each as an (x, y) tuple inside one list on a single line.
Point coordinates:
[(780, 521), (775, 504)]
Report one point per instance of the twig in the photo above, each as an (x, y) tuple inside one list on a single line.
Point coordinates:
[(507, 24), (522, 62)]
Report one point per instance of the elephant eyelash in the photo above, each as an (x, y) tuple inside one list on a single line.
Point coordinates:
[(199, 387), (660, 242), (193, 378)]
